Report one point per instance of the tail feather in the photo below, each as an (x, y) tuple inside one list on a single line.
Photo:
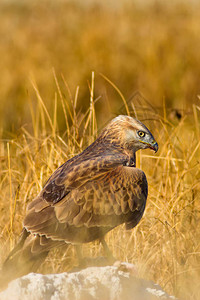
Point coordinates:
[(26, 256)]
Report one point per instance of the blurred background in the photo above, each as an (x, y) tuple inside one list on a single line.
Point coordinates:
[(146, 46)]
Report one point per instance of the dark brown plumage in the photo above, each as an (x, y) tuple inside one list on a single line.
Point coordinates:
[(86, 197)]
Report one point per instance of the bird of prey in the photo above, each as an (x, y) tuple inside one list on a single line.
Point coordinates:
[(86, 197)]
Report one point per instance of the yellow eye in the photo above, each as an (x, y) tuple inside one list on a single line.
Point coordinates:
[(141, 133)]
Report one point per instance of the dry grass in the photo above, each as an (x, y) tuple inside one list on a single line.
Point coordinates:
[(165, 245)]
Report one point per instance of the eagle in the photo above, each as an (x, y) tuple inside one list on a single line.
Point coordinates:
[(86, 197)]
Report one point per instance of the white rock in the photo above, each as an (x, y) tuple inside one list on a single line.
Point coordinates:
[(94, 283)]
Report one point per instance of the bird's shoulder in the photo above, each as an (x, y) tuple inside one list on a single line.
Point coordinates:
[(75, 173)]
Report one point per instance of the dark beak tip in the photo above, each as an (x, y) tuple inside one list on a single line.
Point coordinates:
[(155, 147)]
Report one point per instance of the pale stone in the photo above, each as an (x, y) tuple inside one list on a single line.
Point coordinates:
[(94, 283)]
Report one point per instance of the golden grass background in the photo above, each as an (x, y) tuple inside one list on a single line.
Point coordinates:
[(52, 106)]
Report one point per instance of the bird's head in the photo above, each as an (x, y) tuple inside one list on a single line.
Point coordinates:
[(130, 134)]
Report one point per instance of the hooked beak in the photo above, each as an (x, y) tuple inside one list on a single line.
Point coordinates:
[(153, 145)]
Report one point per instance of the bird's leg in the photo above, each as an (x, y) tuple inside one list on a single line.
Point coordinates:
[(79, 255), (107, 251), (84, 262)]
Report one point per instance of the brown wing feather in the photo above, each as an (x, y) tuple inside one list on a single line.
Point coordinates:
[(98, 195), (73, 175)]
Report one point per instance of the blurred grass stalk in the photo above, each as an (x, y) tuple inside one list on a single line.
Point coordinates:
[(166, 244)]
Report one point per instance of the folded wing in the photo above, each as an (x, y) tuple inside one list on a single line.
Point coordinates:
[(83, 201)]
